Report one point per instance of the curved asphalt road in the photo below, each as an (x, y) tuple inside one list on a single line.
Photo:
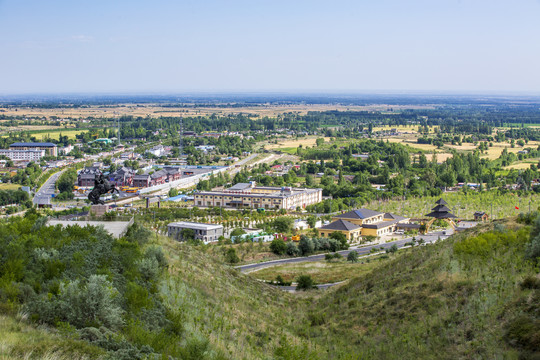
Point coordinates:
[(365, 250)]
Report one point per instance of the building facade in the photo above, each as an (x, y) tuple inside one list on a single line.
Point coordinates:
[(23, 155), (250, 196), (205, 232), (87, 176), (364, 222), (50, 148)]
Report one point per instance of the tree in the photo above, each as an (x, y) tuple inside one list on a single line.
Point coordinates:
[(278, 246), (341, 238), (309, 181), (393, 249), (283, 224), (305, 245), (66, 181), (312, 221), (304, 282), (292, 249), (237, 232), (352, 257), (231, 256), (173, 192), (187, 234)]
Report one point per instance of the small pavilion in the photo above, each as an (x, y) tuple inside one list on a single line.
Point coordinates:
[(441, 211)]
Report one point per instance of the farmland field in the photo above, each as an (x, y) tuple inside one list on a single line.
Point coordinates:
[(9, 186), (155, 110), (522, 165), (294, 143), (56, 134)]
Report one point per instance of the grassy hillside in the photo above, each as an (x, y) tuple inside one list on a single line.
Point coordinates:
[(461, 298), (80, 294), (240, 316)]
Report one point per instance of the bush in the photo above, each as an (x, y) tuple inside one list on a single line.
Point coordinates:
[(283, 224), (305, 282), (292, 249), (305, 246), (527, 218), (278, 246), (138, 234), (530, 282), (237, 232), (231, 256), (484, 244), (156, 252), (352, 257), (95, 304), (148, 268)]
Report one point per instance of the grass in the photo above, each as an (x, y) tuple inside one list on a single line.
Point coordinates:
[(56, 134), (9, 186), (462, 205), (430, 302), (19, 340), (242, 317), (288, 150), (322, 272)]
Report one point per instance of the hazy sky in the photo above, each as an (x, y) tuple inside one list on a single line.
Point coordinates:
[(262, 45)]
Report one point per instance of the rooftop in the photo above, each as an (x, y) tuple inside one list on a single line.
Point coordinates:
[(29, 144), (359, 214), (195, 225), (340, 225)]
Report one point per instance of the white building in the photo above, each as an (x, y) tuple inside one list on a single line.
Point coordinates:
[(23, 155), (204, 232)]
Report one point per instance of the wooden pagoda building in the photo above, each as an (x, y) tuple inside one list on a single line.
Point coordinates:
[(442, 212)]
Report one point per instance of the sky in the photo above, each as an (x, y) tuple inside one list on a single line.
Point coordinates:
[(182, 46)]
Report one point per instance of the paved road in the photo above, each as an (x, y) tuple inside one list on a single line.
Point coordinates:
[(47, 189), (429, 238)]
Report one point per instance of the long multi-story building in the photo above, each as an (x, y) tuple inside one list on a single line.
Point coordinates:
[(50, 148), (23, 155), (248, 195)]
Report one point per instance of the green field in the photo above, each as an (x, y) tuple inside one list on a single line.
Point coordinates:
[(9, 186), (288, 150), (463, 205), (322, 272), (55, 134)]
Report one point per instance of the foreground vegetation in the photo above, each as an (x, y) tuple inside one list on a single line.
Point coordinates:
[(79, 293)]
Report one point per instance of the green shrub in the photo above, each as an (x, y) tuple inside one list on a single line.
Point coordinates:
[(278, 246), (292, 249), (231, 257), (482, 245), (305, 282)]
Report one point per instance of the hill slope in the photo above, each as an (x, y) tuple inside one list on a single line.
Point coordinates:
[(471, 296), (455, 299)]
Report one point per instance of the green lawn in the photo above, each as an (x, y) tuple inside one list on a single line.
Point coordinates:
[(322, 272)]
